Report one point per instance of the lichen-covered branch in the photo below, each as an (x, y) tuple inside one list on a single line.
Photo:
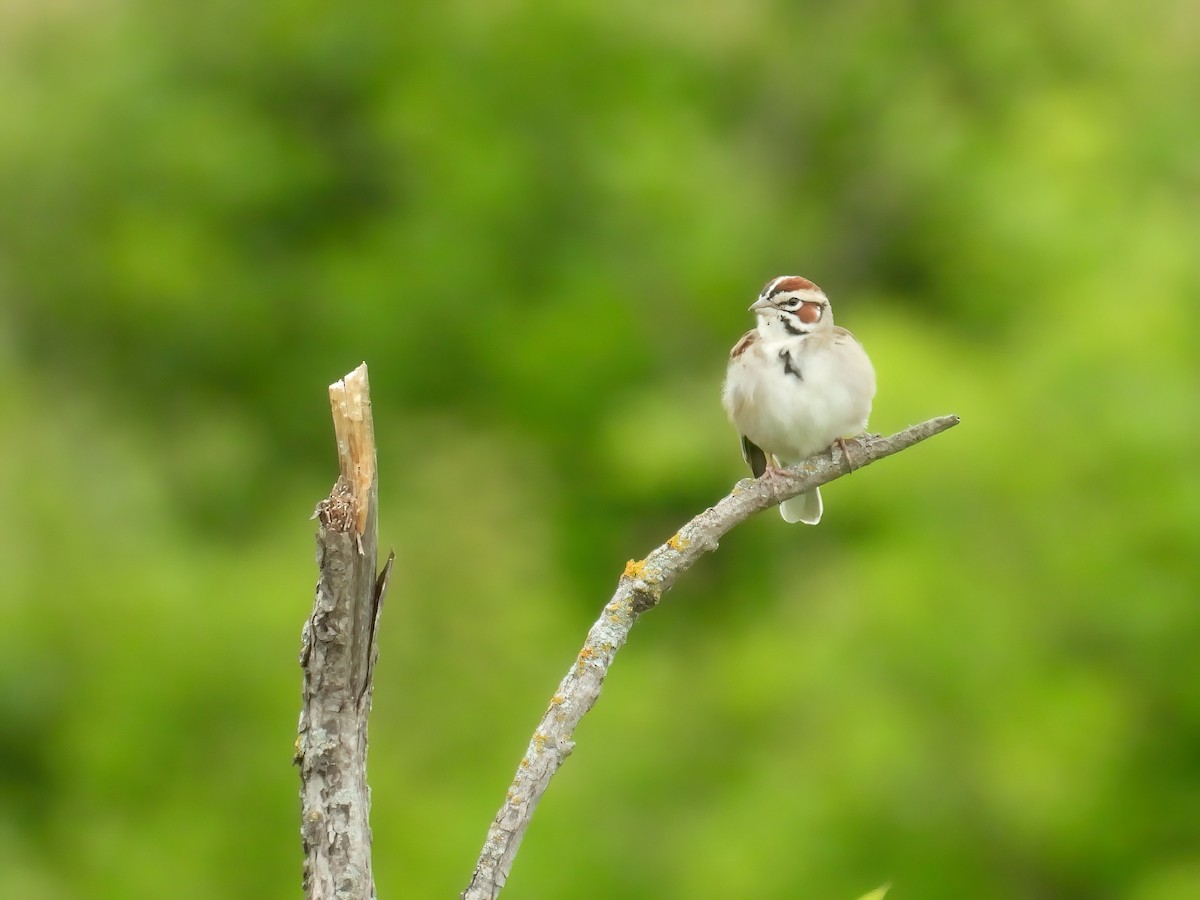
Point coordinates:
[(640, 588), (337, 655)]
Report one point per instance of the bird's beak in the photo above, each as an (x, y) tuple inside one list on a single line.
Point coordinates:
[(760, 303)]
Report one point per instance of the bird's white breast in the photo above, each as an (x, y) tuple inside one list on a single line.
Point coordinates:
[(794, 416)]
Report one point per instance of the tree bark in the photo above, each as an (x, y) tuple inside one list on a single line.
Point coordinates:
[(640, 588), (338, 650)]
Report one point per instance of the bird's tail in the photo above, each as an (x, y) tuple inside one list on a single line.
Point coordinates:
[(806, 508)]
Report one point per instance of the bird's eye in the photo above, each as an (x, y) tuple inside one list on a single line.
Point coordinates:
[(809, 312)]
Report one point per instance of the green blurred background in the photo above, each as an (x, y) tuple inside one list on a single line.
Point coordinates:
[(541, 224)]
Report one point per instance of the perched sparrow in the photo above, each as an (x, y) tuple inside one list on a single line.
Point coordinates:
[(796, 384)]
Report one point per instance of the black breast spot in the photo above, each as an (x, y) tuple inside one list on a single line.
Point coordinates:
[(789, 365)]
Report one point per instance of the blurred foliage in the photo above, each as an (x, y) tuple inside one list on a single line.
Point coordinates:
[(541, 223)]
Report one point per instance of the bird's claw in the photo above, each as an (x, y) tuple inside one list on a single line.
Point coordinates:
[(774, 471), (841, 444)]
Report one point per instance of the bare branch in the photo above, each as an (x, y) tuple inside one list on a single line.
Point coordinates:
[(337, 655), (640, 588)]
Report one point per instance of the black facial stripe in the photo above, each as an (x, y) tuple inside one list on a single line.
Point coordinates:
[(787, 324), (789, 365)]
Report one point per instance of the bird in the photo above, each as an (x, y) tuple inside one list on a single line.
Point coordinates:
[(796, 384)]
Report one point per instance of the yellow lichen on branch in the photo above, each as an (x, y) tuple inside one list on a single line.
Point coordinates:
[(677, 542)]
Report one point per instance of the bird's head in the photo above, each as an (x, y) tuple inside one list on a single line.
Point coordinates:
[(791, 306)]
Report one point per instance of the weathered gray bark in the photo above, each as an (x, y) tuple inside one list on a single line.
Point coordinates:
[(337, 655), (640, 588)]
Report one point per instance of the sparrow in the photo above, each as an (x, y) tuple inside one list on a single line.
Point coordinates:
[(796, 384)]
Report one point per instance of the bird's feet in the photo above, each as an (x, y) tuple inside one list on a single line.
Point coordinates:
[(841, 445), (773, 471)]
